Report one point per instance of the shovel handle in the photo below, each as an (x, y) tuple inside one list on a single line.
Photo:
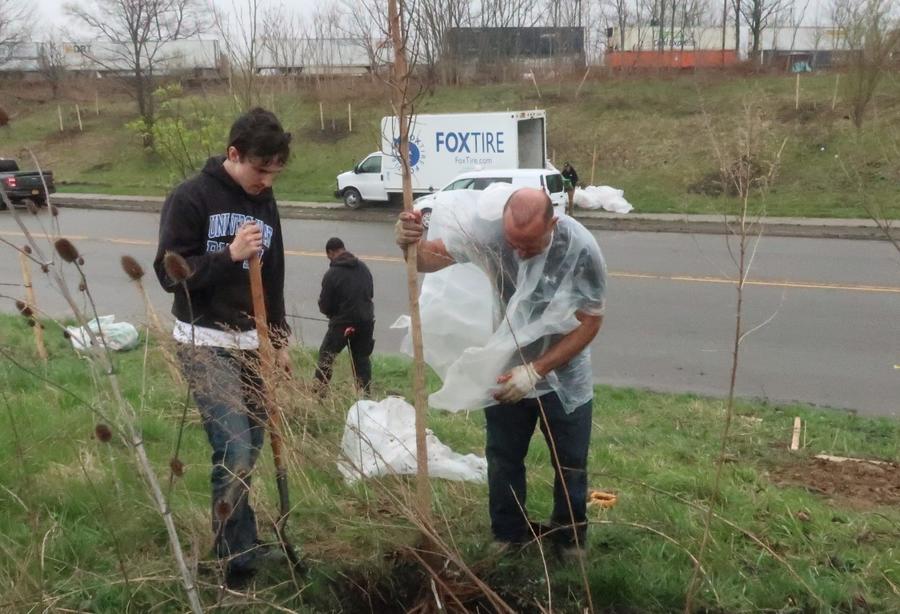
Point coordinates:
[(266, 361)]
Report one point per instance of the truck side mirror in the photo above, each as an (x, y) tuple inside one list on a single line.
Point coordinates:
[(356, 169)]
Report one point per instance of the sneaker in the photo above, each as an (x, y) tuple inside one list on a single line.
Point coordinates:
[(570, 553), (265, 555), (238, 579)]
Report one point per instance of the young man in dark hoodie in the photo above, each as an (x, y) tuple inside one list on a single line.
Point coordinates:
[(216, 221), (346, 299)]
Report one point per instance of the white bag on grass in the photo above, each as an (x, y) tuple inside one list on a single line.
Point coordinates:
[(380, 439), (119, 336), (602, 197)]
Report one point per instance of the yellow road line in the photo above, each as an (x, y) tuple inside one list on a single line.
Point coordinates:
[(771, 283)]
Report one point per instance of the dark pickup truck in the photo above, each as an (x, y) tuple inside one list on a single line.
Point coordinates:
[(22, 185)]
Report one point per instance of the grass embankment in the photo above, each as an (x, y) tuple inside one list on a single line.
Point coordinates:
[(651, 135), (74, 514)]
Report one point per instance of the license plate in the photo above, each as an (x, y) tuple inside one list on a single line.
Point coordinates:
[(35, 192)]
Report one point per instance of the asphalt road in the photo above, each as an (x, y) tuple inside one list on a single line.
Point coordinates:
[(830, 308)]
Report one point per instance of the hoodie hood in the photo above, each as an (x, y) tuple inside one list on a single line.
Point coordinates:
[(215, 168), (346, 259)]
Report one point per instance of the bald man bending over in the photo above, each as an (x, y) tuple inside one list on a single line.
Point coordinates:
[(550, 382)]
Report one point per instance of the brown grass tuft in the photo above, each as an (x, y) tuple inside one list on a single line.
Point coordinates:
[(176, 267), (102, 433), (66, 250), (132, 268)]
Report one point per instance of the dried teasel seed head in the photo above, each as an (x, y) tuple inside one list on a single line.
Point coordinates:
[(45, 268), (27, 249), (80, 261), (82, 287), (176, 267), (102, 433), (54, 210), (176, 466), (223, 510), (23, 308), (66, 250), (31, 322), (67, 334), (132, 268)]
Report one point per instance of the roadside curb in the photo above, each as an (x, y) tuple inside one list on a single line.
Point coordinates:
[(689, 224)]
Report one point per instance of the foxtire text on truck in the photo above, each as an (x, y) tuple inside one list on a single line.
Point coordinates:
[(352, 198)]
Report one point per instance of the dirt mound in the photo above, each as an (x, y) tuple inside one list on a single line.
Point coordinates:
[(860, 484)]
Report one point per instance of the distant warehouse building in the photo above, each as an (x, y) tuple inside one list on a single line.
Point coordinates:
[(196, 57), (786, 48), (473, 49), (322, 57), (199, 59)]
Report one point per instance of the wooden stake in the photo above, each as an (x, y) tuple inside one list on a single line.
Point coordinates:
[(797, 93), (59, 113), (534, 80), (97, 102), (29, 296), (837, 79), (593, 161), (322, 116), (401, 103), (795, 437), (268, 375), (78, 115), (581, 85), (349, 117)]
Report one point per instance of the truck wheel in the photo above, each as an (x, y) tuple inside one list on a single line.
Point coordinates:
[(426, 218), (352, 199)]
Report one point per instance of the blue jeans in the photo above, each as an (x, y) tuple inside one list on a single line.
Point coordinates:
[(226, 389), (509, 431)]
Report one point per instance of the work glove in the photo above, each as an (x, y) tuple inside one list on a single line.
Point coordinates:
[(408, 229), (517, 383)]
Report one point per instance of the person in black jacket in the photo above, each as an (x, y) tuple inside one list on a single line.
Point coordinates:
[(570, 175), (346, 300), (216, 221)]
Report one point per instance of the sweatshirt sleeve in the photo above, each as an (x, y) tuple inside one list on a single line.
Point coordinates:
[(182, 229), (326, 296), (273, 279)]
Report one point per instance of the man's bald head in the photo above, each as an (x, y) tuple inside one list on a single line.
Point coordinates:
[(527, 204), (528, 221)]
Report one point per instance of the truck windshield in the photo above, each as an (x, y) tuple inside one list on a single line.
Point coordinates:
[(554, 183), (371, 165), (484, 182), (461, 184)]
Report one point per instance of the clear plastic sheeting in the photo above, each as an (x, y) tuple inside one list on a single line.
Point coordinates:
[(602, 197), (380, 439), (497, 311)]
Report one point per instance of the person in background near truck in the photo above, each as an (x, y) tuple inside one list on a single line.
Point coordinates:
[(570, 178), (346, 300), (216, 221), (551, 368)]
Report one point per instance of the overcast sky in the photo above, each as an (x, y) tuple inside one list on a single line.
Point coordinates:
[(51, 11)]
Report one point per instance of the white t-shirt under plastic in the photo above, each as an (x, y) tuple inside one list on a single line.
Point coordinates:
[(213, 337)]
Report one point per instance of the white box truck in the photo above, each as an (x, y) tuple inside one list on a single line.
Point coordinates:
[(442, 146)]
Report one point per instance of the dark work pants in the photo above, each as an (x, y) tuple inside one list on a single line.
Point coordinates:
[(509, 431), (361, 344), (226, 389)]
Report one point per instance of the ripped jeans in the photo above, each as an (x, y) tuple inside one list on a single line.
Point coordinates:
[(225, 386)]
